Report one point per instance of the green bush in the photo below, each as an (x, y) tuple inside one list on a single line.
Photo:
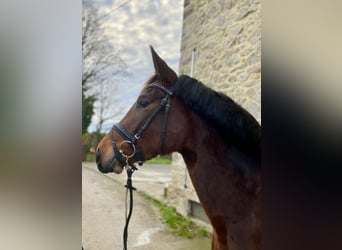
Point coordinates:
[(90, 157)]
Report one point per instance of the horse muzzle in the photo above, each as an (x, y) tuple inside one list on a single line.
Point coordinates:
[(108, 165)]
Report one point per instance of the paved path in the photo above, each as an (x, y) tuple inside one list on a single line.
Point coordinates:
[(103, 209)]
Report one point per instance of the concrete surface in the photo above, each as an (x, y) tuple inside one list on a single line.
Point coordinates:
[(103, 212)]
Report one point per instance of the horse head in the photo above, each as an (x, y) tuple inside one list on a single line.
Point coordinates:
[(154, 125)]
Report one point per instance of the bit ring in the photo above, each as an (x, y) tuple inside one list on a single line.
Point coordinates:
[(122, 153)]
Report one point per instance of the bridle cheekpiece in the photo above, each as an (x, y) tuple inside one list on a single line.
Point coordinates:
[(132, 139)]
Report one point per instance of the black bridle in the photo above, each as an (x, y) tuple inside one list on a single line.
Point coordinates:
[(132, 139), (122, 158)]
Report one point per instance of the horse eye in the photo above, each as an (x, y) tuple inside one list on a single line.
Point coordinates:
[(143, 104)]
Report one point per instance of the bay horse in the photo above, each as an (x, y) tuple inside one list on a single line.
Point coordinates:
[(218, 139)]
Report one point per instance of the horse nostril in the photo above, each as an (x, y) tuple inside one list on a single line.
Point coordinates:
[(98, 156)]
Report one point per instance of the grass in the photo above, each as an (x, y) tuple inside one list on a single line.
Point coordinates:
[(160, 160), (156, 160), (180, 225)]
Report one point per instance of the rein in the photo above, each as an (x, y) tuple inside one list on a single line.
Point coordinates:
[(130, 171), (137, 150)]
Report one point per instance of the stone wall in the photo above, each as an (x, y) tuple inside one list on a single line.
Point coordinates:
[(226, 35)]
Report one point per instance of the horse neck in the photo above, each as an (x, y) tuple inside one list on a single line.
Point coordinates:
[(227, 186), (205, 151)]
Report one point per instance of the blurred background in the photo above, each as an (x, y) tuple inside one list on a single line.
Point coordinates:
[(40, 131)]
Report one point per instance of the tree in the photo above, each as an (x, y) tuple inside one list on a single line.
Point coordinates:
[(101, 61), (87, 111), (106, 99)]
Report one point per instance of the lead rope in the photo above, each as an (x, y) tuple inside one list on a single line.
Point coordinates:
[(130, 188)]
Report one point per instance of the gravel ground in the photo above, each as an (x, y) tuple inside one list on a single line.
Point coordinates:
[(103, 212)]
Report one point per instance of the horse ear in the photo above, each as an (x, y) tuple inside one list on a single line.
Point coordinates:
[(162, 70)]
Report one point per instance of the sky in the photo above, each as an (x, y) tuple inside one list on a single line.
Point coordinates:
[(132, 28)]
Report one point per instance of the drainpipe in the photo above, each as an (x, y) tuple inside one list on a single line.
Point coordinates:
[(193, 55)]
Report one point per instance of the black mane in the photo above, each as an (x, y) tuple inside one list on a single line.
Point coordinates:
[(233, 123)]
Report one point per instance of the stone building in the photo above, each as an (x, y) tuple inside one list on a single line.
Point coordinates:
[(223, 40)]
